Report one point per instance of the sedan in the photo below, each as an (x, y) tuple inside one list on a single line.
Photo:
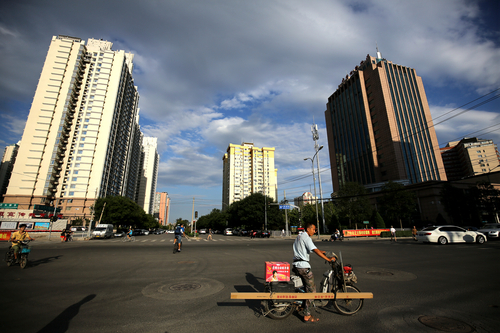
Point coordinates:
[(449, 234), (491, 230), (119, 234)]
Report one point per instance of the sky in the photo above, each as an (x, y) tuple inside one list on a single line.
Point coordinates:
[(211, 73)]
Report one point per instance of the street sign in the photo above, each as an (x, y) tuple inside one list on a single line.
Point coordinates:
[(8, 205), (284, 206), (366, 222)]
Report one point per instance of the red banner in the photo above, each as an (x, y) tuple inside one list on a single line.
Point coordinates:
[(363, 232), (5, 235)]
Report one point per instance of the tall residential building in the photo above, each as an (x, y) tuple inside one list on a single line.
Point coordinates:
[(162, 207), (380, 127), (469, 157), (8, 160), (247, 170), (148, 174), (77, 141)]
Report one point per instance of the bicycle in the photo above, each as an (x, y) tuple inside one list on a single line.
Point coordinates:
[(126, 239), (22, 255), (338, 279)]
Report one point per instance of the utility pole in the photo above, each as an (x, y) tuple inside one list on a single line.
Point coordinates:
[(314, 129), (192, 220), (286, 210)]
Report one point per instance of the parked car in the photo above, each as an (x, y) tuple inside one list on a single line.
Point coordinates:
[(170, 231), (263, 234), (119, 233), (136, 232), (449, 234), (244, 233), (491, 230), (228, 232), (159, 231), (203, 231), (78, 229)]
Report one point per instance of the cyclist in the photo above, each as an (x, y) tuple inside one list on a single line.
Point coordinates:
[(302, 246), (129, 233), (18, 237), (179, 233)]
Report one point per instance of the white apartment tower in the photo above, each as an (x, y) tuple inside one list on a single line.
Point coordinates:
[(8, 161), (149, 174), (78, 140), (247, 170)]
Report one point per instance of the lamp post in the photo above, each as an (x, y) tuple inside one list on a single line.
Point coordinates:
[(320, 189), (314, 181)]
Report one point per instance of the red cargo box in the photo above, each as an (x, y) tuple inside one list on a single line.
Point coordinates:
[(277, 271)]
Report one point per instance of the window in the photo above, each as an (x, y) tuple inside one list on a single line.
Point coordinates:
[(74, 179), (80, 152), (85, 126), (70, 200), (87, 120), (77, 165), (79, 158), (75, 172), (83, 133), (72, 186), (67, 207)]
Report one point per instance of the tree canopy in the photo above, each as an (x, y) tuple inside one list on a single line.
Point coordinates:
[(121, 211)]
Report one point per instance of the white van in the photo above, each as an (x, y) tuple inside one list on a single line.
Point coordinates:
[(103, 231)]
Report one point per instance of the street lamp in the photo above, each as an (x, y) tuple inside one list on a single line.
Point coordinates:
[(314, 182)]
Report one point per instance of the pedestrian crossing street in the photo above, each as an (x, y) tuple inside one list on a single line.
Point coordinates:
[(230, 239)]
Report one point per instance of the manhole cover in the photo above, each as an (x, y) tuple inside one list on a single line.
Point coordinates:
[(185, 287), (385, 273), (445, 324)]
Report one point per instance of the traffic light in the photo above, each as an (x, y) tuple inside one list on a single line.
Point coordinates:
[(196, 214)]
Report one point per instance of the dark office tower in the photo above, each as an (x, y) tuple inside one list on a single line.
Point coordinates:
[(380, 127)]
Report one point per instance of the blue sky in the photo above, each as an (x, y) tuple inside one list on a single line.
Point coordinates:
[(210, 73)]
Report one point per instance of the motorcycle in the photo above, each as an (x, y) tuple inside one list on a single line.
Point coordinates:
[(22, 256), (337, 279)]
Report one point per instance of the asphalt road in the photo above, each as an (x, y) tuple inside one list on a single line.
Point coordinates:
[(110, 286)]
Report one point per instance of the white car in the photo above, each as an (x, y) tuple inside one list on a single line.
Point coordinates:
[(491, 230), (449, 234), (228, 231)]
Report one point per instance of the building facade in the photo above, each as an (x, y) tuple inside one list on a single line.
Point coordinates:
[(469, 157), (148, 174), (380, 128), (247, 170), (78, 139), (8, 160), (162, 208), (307, 198)]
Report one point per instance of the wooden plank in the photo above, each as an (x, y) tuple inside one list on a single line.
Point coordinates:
[(297, 296)]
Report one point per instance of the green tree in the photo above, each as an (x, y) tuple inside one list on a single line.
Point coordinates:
[(376, 220), (216, 220), (397, 204), (120, 211), (250, 213), (352, 203)]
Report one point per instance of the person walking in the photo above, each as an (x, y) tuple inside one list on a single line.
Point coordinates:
[(393, 234), (209, 236), (414, 233)]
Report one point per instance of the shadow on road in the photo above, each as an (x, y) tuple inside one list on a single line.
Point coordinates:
[(256, 286), (60, 324), (43, 261)]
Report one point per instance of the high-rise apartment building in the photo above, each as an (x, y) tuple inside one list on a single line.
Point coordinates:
[(469, 157), (148, 174), (162, 207), (380, 127), (78, 140), (8, 160), (247, 170)]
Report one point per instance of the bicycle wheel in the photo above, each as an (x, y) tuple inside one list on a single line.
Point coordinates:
[(348, 307), (124, 239), (23, 261), (132, 239), (175, 247), (278, 310)]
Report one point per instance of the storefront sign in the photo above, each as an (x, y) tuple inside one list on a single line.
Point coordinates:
[(4, 235), (42, 225), (8, 206), (8, 225)]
